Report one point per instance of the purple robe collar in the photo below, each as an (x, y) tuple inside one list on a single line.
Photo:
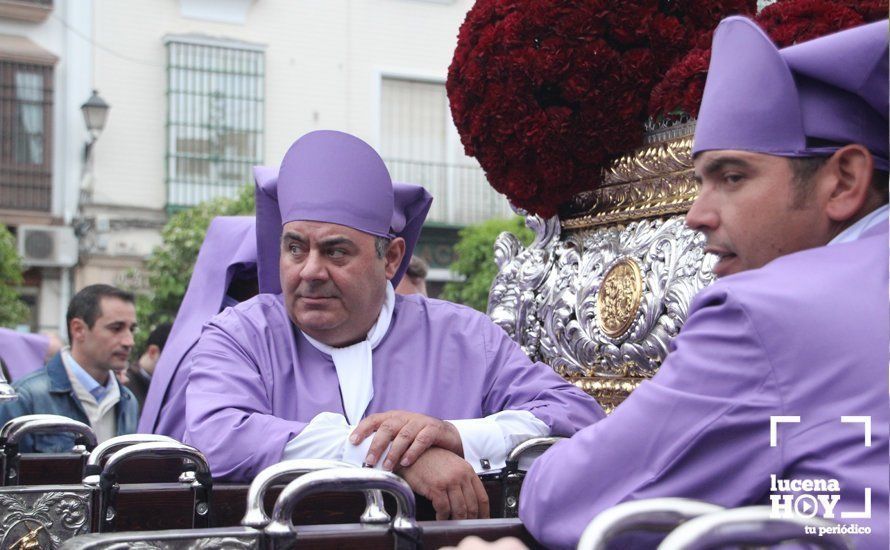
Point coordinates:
[(333, 177), (809, 99), (229, 248)]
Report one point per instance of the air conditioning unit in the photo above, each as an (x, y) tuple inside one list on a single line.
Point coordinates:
[(47, 246)]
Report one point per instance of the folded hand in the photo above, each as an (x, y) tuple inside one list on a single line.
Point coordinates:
[(450, 483), (410, 434)]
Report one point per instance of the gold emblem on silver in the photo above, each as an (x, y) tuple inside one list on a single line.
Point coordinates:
[(31, 539), (618, 298)]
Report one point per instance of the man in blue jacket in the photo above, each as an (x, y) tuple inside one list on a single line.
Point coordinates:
[(79, 381)]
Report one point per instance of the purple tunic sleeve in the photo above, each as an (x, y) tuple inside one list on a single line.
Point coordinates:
[(229, 410), (698, 429), (516, 383)]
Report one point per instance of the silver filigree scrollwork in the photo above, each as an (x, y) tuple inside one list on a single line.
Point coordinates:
[(45, 519), (522, 273), (546, 299), (180, 543)]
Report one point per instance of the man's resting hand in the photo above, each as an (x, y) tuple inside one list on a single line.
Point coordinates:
[(410, 433), (450, 483)]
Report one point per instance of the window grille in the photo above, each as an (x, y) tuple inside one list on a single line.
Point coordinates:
[(215, 100), (420, 145), (26, 99)]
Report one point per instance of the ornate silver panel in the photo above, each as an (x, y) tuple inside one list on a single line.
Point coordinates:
[(236, 538), (199, 544), (40, 518), (523, 275), (545, 296)]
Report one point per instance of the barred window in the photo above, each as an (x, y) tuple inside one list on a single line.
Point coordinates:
[(214, 119), (26, 98)]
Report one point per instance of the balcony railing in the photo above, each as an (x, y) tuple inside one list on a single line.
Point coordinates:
[(461, 194)]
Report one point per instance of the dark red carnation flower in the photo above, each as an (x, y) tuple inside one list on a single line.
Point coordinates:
[(796, 21), (787, 22), (544, 93)]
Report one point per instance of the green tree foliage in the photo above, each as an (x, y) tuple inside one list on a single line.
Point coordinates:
[(13, 310), (168, 270), (475, 260)]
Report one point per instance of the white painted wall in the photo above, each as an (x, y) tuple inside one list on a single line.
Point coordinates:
[(323, 61)]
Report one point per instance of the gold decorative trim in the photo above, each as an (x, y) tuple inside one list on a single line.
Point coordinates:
[(608, 392), (653, 181), (618, 297)]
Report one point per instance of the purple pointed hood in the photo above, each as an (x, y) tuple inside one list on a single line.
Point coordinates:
[(809, 99), (229, 249), (333, 177)]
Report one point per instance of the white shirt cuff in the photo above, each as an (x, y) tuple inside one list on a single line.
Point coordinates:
[(487, 441), (356, 454), (323, 437), (483, 443), (327, 436)]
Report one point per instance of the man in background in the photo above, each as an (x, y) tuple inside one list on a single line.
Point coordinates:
[(414, 281), (140, 372), (79, 382)]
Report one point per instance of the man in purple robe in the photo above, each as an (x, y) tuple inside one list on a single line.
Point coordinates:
[(780, 373), (224, 275), (328, 354)]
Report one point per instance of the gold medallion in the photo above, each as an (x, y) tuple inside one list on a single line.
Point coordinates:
[(619, 297)]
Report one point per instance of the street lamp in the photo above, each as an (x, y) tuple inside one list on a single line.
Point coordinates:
[(95, 111)]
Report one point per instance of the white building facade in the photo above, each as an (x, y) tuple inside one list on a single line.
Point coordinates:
[(201, 90)]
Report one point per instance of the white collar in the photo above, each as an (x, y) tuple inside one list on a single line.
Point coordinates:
[(354, 363)]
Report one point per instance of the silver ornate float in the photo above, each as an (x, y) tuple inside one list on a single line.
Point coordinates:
[(606, 285)]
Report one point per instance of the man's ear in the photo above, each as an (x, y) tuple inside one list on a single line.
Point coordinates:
[(849, 173), (393, 256), (77, 329)]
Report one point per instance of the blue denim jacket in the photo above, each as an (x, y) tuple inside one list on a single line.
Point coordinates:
[(49, 391)]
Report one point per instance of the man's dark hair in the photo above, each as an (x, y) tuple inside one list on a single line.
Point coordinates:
[(86, 304), (804, 168), (417, 268), (158, 336)]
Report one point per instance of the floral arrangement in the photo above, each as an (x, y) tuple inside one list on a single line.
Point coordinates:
[(787, 22), (544, 93)]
